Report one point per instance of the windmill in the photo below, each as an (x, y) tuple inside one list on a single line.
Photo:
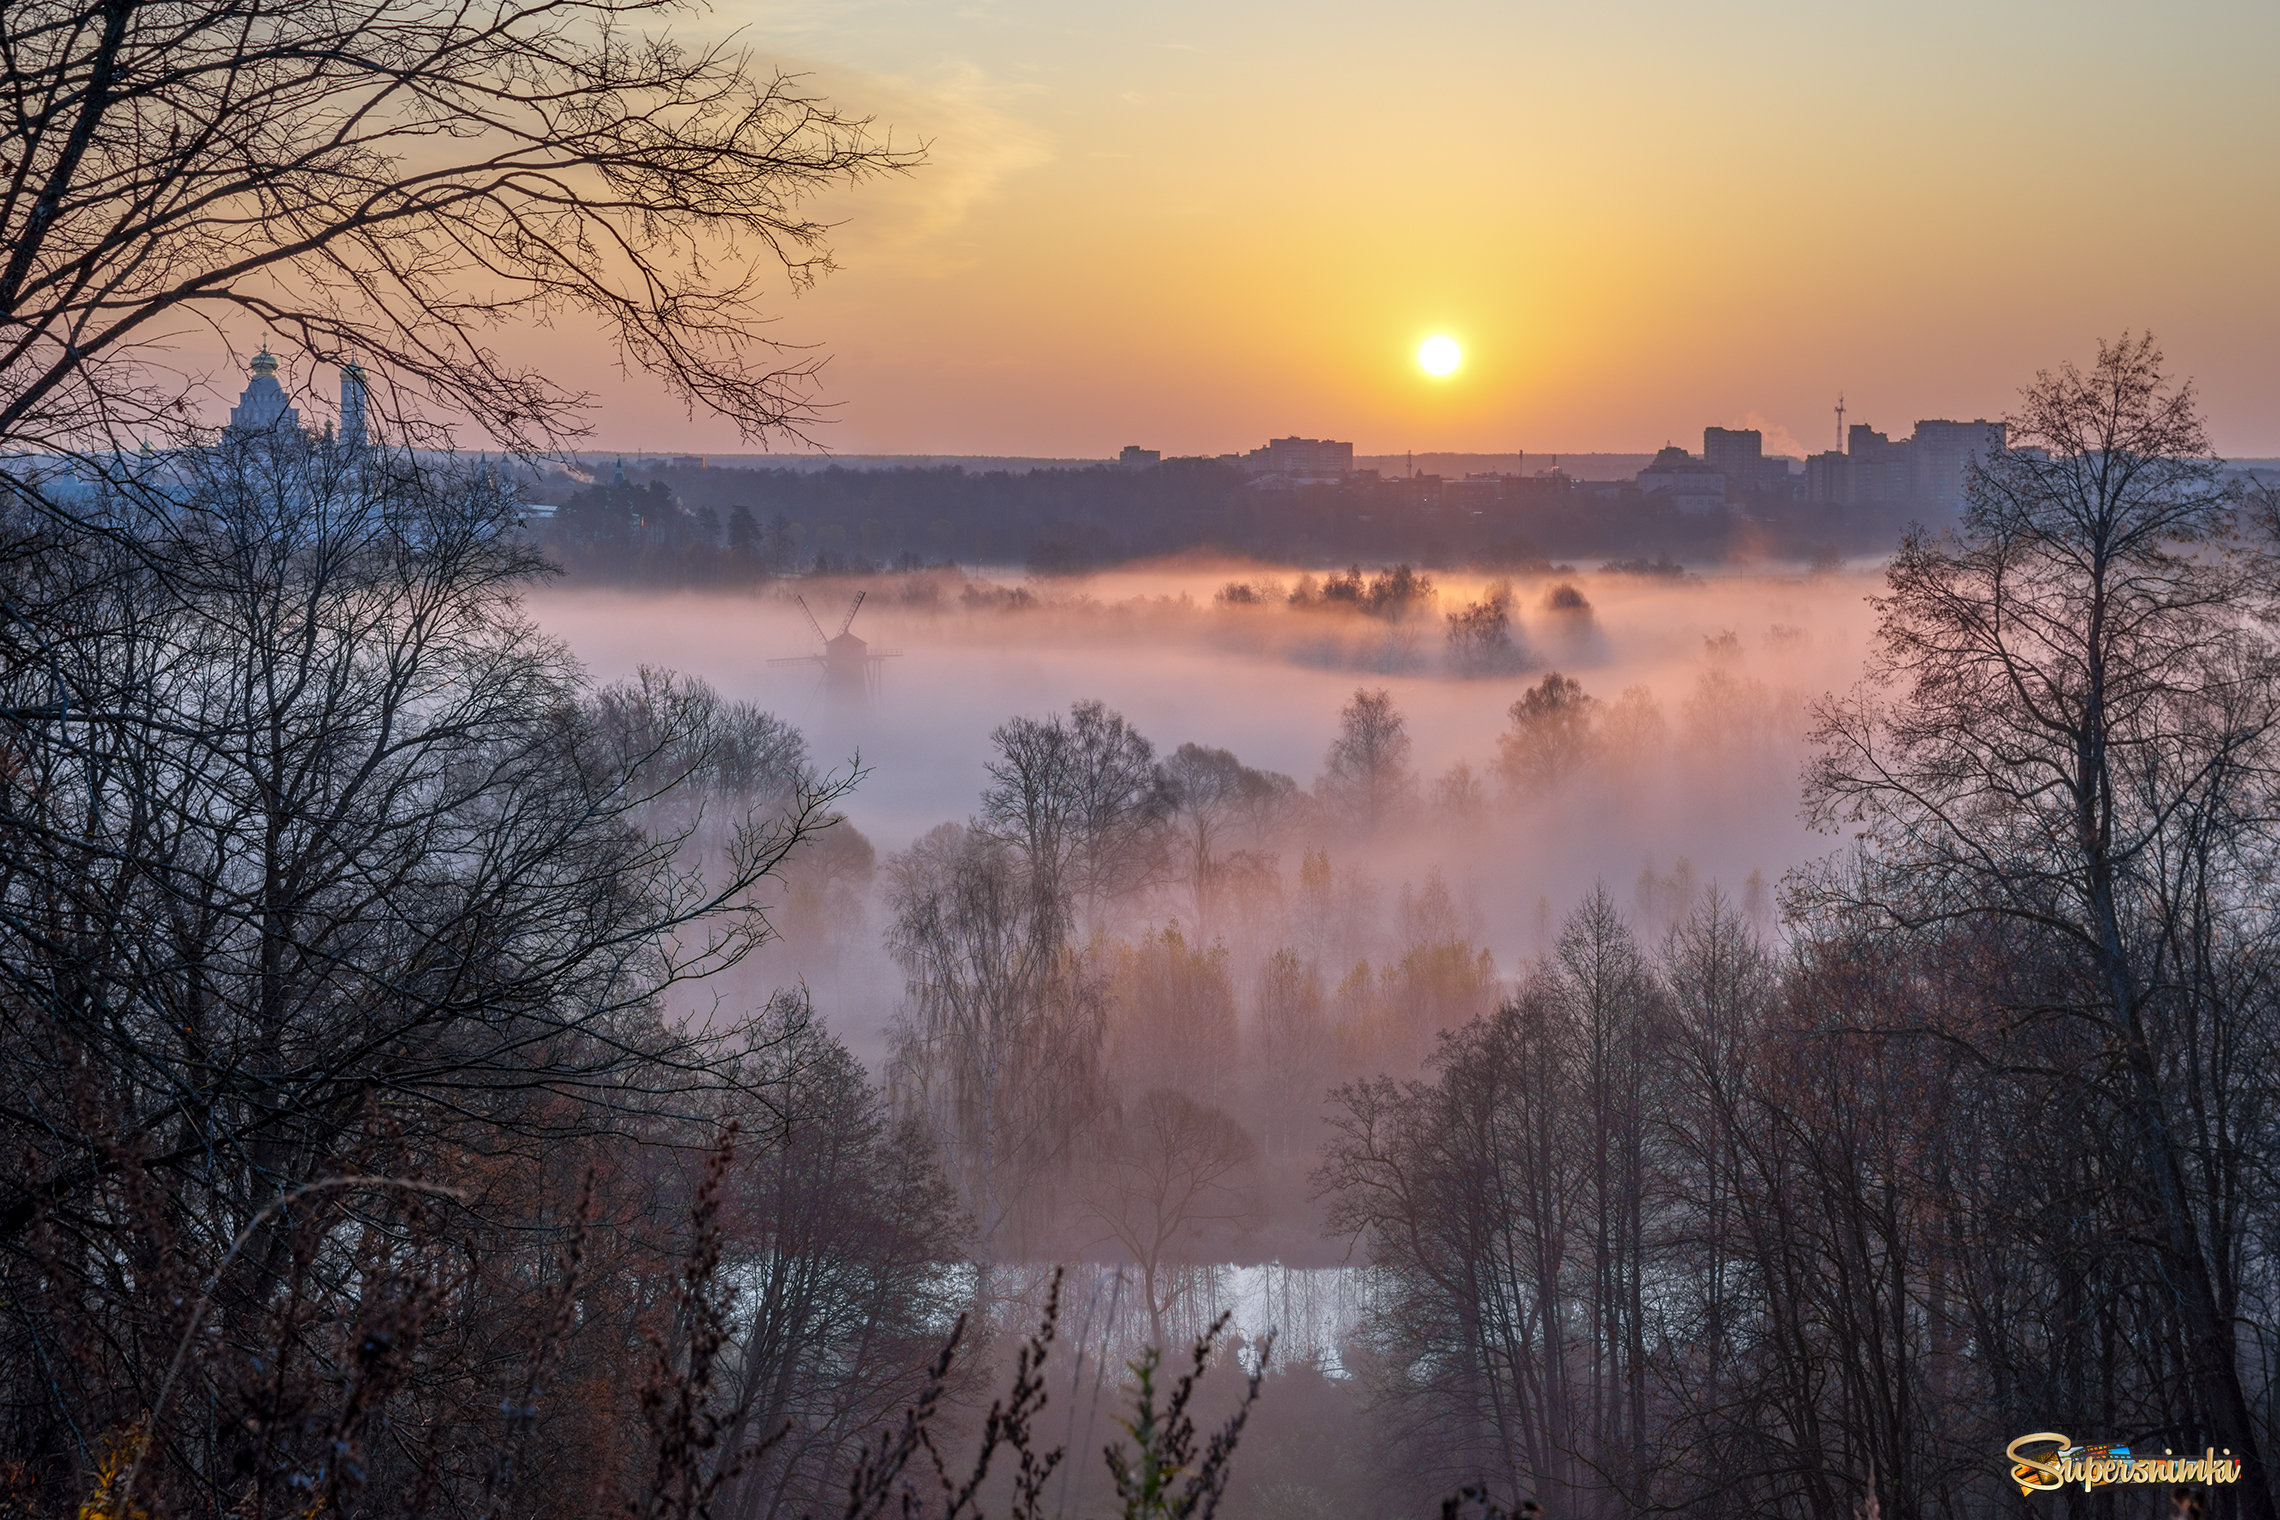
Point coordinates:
[(850, 665)]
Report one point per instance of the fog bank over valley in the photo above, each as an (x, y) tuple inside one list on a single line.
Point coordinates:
[(1696, 692)]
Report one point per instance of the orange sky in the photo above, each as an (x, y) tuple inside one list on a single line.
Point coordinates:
[(1192, 225)]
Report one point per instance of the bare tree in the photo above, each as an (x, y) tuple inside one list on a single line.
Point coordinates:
[(1224, 814), (1171, 1170), (316, 860), (1615, 1010), (2069, 725), (1480, 636), (384, 184), (837, 1225), (699, 747), (1465, 1191), (1366, 775), (1721, 986), (1000, 1046), (1550, 735), (1082, 799)]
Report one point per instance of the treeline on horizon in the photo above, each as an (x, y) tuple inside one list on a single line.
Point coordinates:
[(680, 525)]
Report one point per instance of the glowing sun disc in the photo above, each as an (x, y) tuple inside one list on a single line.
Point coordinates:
[(1439, 356)]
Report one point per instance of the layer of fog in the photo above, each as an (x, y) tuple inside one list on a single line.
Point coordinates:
[(1730, 665)]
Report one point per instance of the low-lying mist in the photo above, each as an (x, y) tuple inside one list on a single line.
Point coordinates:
[(1702, 686)]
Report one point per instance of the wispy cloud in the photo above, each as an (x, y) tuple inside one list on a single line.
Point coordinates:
[(974, 142)]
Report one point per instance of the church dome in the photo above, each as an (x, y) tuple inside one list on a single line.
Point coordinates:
[(264, 404)]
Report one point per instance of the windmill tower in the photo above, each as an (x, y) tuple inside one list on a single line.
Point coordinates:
[(850, 665)]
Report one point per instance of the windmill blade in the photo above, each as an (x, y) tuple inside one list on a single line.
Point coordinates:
[(820, 637), (854, 607)]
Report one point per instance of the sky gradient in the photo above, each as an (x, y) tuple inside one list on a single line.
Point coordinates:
[(1191, 225)]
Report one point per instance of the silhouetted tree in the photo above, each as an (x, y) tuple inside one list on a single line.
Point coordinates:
[(1366, 776), (1480, 636), (385, 183), (1082, 799), (1550, 735), (321, 868), (2069, 726), (999, 1049), (1466, 1192), (836, 1229), (1224, 813), (1171, 1178)]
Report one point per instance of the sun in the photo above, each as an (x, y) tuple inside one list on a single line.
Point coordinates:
[(1439, 355)]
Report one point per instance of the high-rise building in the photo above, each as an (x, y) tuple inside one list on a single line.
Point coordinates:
[(1302, 459), (1878, 467), (1828, 480), (1941, 455), (1930, 468), (1736, 453), (1135, 457)]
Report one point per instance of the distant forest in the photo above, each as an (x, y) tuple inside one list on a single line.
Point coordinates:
[(683, 524)]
